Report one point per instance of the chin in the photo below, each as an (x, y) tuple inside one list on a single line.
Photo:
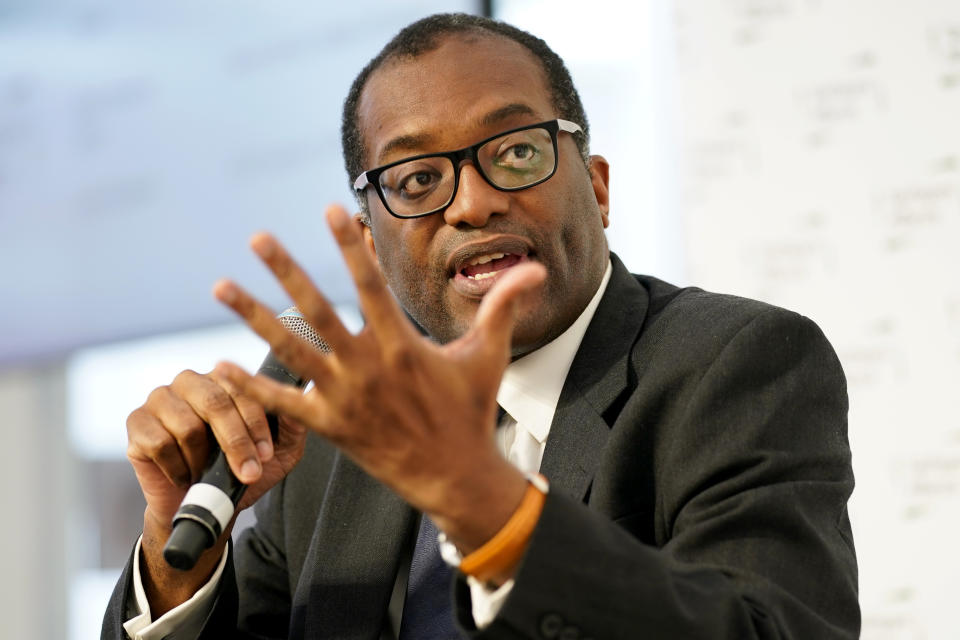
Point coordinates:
[(530, 333)]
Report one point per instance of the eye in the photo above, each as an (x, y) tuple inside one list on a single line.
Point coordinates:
[(411, 182), (417, 184), (520, 155)]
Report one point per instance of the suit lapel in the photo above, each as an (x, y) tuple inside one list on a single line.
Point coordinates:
[(350, 567), (597, 378), (352, 561)]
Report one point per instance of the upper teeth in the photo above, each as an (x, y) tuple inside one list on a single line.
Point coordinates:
[(485, 259)]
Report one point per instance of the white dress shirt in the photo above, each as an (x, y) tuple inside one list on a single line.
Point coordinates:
[(528, 392)]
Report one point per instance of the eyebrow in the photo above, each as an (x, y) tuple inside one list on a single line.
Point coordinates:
[(499, 115), (417, 142), (408, 142)]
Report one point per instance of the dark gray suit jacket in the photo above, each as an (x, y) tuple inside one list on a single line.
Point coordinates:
[(699, 472)]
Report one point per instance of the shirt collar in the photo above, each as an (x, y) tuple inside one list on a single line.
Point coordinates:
[(531, 385)]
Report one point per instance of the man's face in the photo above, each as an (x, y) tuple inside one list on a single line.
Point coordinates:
[(470, 88)]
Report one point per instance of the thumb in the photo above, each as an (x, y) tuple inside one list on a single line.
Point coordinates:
[(496, 316)]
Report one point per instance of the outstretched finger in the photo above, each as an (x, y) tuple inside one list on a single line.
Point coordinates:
[(276, 398), (379, 308), (314, 306), (288, 348)]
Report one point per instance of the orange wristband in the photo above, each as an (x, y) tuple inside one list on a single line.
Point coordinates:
[(505, 548)]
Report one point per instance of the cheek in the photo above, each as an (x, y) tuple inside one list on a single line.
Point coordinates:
[(404, 261), (388, 239), (395, 262)]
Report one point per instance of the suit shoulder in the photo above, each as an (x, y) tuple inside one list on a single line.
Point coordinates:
[(694, 305), (669, 299), (704, 321)]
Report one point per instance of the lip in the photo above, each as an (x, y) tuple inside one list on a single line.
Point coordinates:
[(464, 253)]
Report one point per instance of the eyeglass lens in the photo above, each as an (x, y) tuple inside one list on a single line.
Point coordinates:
[(512, 161)]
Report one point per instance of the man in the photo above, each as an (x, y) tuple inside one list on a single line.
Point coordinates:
[(694, 444)]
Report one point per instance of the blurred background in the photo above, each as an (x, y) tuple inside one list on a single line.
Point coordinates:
[(804, 152)]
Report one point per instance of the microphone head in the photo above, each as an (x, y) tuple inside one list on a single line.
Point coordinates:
[(294, 322)]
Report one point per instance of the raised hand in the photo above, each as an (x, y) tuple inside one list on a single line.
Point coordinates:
[(416, 415)]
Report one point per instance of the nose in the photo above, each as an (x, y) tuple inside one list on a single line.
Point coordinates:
[(475, 200)]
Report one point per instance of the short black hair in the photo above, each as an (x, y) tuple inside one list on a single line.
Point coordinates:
[(424, 36)]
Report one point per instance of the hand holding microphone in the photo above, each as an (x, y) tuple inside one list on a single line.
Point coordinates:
[(414, 414), (172, 440), (209, 505)]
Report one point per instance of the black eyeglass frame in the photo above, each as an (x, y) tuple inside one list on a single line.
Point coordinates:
[(371, 177)]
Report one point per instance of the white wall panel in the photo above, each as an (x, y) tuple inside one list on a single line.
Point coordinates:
[(821, 172)]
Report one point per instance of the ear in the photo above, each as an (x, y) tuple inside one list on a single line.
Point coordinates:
[(600, 178), (367, 236)]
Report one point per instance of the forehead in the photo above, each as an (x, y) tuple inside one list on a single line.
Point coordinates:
[(470, 86)]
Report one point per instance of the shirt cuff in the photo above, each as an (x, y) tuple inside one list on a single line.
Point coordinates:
[(183, 622), (485, 603)]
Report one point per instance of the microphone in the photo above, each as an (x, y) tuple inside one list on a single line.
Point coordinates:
[(209, 505)]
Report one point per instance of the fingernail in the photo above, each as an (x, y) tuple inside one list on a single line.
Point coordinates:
[(265, 449), (264, 246), (250, 470), (336, 219), (226, 291)]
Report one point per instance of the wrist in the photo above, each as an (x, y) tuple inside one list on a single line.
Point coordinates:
[(164, 586), (496, 560), (475, 508)]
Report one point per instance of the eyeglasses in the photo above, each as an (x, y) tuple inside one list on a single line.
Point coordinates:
[(510, 161)]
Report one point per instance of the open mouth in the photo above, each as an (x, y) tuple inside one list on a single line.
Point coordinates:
[(476, 267), (488, 265)]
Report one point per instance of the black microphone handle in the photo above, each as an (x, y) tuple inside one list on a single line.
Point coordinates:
[(209, 505)]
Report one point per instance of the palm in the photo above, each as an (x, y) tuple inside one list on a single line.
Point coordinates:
[(412, 414)]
